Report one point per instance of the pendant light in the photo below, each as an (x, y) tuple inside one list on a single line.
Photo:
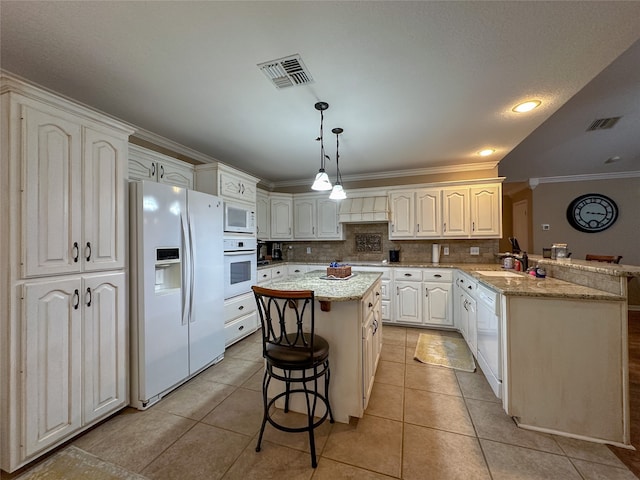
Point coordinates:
[(338, 193), (322, 182)]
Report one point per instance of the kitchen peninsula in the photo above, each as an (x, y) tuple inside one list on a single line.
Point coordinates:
[(350, 322)]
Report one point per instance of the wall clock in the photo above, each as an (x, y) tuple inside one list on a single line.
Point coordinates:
[(592, 213)]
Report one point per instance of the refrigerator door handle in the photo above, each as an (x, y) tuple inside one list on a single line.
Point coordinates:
[(186, 271), (192, 269)]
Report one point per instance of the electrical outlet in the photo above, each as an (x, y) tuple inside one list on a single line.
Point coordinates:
[(474, 250), (308, 249), (546, 226), (445, 250)]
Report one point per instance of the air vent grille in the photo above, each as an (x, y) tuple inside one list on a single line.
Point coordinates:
[(603, 123), (286, 72)]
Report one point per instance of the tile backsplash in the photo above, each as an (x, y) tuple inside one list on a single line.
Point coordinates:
[(410, 250)]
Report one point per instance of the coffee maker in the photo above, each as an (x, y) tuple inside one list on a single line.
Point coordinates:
[(276, 251)]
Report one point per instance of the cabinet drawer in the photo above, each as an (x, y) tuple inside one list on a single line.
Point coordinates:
[(408, 274), (385, 310), (239, 306), (297, 269), (434, 275), (385, 289), (264, 275), (278, 273), (240, 328)]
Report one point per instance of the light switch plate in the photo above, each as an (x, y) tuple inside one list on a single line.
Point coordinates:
[(445, 251), (474, 250)]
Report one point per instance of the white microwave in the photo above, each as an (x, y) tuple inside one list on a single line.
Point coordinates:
[(239, 218)]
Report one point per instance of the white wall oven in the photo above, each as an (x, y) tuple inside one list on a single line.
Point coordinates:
[(239, 219), (240, 265)]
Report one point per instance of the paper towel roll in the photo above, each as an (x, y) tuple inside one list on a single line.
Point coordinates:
[(435, 253)]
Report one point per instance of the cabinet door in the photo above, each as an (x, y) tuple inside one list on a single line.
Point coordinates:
[(237, 187), (176, 175), (104, 363), (304, 218), (281, 218), (437, 307), (402, 215), (368, 358), (408, 302), (328, 225), (52, 193), (103, 242), (428, 213), (142, 169), (455, 212), (52, 362), (486, 211), (263, 216), (472, 325)]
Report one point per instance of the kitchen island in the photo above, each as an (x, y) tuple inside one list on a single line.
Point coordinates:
[(350, 322)]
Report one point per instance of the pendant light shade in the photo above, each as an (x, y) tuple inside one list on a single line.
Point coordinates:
[(321, 182), (338, 193)]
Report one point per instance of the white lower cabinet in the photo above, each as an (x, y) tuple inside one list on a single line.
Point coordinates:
[(371, 339), (240, 317), (74, 356), (408, 302), (465, 315)]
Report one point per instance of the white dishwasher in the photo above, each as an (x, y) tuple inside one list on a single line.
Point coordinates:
[(489, 352)]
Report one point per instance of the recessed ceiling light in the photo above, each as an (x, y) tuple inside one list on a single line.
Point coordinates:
[(526, 106), (486, 152)]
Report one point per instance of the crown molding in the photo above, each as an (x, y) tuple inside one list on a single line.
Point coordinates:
[(467, 167), (164, 142), (534, 182)]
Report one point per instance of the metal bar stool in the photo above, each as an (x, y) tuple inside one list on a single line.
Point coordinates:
[(295, 355)]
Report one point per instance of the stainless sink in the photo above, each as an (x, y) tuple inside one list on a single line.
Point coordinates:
[(499, 273)]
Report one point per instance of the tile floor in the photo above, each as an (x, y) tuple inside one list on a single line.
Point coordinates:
[(423, 422)]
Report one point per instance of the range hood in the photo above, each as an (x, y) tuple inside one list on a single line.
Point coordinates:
[(364, 210)]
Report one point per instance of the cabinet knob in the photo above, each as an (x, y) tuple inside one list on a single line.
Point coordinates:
[(153, 169), (88, 248), (89, 293), (370, 304), (408, 275), (241, 307), (161, 171), (437, 275), (241, 327), (76, 253), (76, 296)]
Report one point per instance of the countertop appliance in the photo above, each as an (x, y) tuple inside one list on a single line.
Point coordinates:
[(240, 265), (276, 251), (239, 218), (489, 350), (177, 321)]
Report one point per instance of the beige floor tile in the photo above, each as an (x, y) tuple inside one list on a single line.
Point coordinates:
[(509, 462), (272, 462), (589, 451), (386, 401), (255, 381), (393, 335), (431, 378), (246, 349), (391, 373), (493, 423), (370, 442), (203, 452), (475, 385), (393, 353), (444, 412), (195, 399), (298, 441), (596, 471), (332, 470), (134, 439), (443, 455), (240, 412), (231, 371)]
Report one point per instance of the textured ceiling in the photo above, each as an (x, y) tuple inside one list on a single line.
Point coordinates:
[(415, 85)]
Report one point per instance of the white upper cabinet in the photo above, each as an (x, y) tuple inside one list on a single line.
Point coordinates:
[(428, 213), (402, 214), (415, 214), (486, 210), (328, 227), (74, 195), (263, 215), (281, 217), (304, 218), (227, 182), (146, 164), (456, 220), (316, 219)]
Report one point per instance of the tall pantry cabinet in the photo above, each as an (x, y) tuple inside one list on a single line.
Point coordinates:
[(63, 341)]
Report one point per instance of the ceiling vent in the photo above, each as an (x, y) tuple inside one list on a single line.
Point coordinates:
[(603, 123), (286, 72)]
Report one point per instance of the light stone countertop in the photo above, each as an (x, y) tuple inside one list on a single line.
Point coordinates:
[(523, 285), (348, 290)]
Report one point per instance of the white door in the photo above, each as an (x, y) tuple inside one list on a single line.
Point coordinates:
[(104, 202), (105, 373), (408, 302), (206, 321), (52, 369), (304, 218), (455, 212), (402, 215), (437, 304), (52, 193), (521, 224), (428, 213)]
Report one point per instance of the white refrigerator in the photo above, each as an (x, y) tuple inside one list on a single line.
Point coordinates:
[(177, 274)]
